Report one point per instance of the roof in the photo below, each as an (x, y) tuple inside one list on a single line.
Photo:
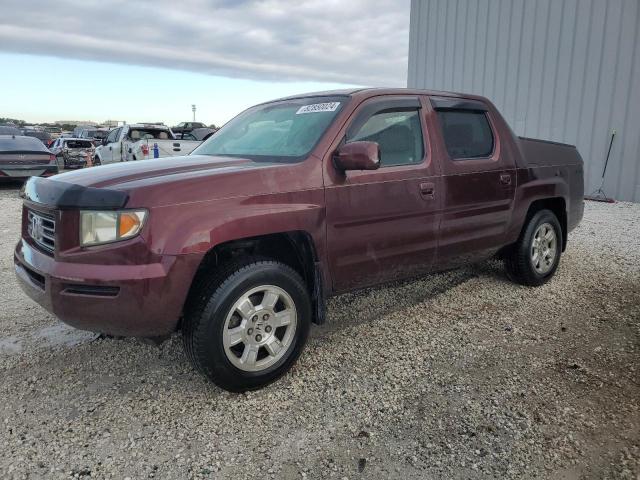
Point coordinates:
[(372, 91), (147, 125)]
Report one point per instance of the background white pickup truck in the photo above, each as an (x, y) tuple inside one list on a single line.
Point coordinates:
[(141, 142)]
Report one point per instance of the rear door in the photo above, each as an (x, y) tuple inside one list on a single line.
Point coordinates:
[(478, 181), (382, 224)]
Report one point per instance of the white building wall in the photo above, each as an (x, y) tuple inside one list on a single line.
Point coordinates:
[(561, 70)]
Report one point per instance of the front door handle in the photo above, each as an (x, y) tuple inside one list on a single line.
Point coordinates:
[(428, 190), (505, 179)]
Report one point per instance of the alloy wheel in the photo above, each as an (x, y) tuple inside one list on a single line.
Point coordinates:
[(259, 328), (544, 248)]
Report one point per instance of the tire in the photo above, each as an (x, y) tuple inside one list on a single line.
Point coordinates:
[(216, 333), (522, 264), (96, 162), (60, 160)]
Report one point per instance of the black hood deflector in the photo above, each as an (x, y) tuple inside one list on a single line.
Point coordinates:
[(68, 195)]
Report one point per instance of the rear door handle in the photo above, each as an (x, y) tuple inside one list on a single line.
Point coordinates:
[(428, 190), (505, 179)]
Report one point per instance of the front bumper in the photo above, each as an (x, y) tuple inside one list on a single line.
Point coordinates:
[(129, 300)]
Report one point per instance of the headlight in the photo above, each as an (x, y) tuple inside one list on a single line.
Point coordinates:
[(109, 226)]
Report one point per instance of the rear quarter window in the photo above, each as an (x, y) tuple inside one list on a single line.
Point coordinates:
[(467, 133)]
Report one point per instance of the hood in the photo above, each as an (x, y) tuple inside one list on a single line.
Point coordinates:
[(189, 179), (154, 171)]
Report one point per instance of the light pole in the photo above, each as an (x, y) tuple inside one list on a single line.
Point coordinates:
[(193, 109)]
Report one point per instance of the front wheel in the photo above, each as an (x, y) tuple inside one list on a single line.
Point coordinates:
[(246, 326), (533, 260), (96, 162)]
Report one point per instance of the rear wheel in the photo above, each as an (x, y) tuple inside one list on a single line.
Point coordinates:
[(533, 260), (247, 325)]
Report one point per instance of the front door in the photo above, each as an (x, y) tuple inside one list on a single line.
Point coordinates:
[(112, 138), (382, 224), (117, 147)]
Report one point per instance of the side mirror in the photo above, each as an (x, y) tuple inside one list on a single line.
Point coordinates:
[(357, 156)]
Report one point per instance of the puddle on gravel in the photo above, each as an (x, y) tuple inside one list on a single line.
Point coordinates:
[(10, 345), (58, 335), (63, 335)]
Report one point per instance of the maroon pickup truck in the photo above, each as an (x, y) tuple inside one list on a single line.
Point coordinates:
[(239, 244)]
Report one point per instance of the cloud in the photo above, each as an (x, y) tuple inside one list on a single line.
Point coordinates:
[(362, 42)]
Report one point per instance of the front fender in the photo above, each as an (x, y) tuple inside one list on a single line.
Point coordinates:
[(196, 228)]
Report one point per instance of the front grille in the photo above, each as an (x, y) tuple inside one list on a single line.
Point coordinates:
[(42, 229)]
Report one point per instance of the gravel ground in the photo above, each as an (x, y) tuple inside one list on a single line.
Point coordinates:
[(457, 375)]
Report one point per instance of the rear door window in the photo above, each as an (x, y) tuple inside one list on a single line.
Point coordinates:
[(467, 133)]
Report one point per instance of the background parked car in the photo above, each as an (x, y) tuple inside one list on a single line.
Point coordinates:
[(22, 157), (41, 135), (79, 128), (72, 152), (141, 141), (96, 135), (184, 127), (199, 134), (9, 130), (55, 132)]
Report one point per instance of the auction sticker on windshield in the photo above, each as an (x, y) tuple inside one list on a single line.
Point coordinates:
[(319, 107)]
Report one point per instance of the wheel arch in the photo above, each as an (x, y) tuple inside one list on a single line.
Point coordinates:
[(295, 249), (558, 206)]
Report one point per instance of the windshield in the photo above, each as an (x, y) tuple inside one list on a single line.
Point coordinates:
[(283, 131)]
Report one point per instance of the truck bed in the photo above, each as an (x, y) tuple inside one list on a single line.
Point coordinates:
[(545, 153)]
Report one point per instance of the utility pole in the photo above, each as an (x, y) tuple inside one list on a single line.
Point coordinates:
[(193, 109)]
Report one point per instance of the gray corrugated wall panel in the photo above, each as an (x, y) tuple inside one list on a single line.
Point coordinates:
[(628, 177), (563, 70)]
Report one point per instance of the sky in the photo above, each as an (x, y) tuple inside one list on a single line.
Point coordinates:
[(150, 60)]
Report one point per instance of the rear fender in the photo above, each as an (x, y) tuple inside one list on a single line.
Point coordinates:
[(534, 191)]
